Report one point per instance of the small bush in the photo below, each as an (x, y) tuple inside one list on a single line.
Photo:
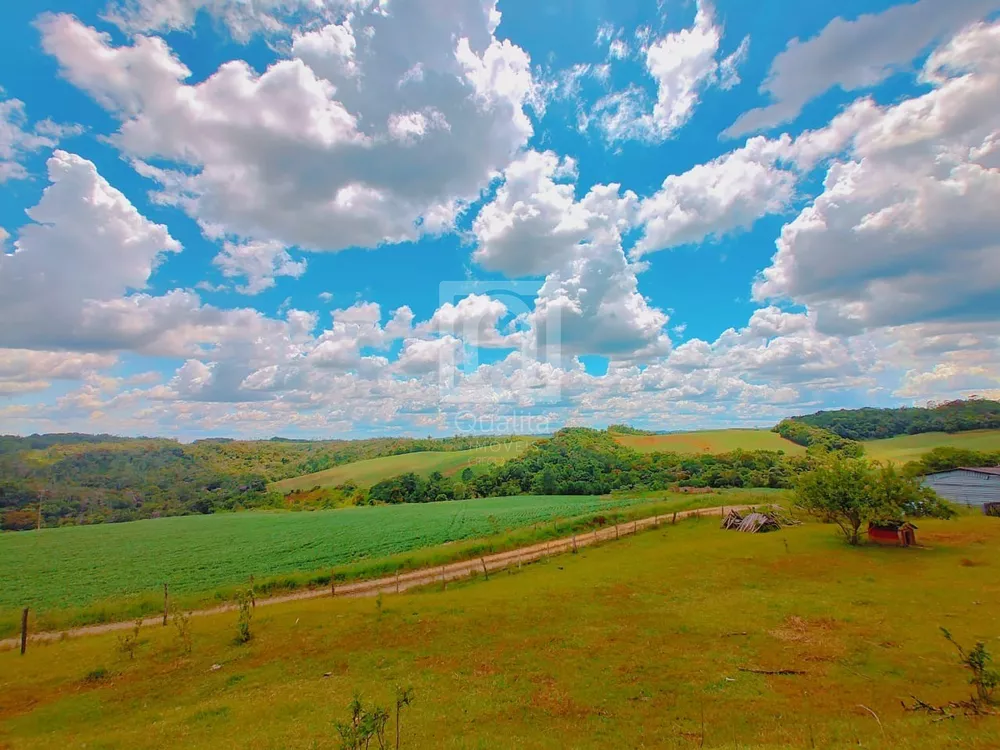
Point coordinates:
[(182, 624), (366, 725), (244, 634), (97, 675), (977, 660), (129, 642)]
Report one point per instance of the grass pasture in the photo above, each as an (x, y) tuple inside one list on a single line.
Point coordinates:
[(711, 441), (83, 574), (905, 448), (637, 643), (373, 470)]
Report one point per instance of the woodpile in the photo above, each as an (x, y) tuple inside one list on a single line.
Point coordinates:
[(756, 520)]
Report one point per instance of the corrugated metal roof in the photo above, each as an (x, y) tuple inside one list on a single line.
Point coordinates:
[(991, 470)]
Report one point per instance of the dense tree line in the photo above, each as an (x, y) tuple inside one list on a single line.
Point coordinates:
[(627, 429), (580, 461), (817, 439), (870, 424), (945, 458), (101, 478)]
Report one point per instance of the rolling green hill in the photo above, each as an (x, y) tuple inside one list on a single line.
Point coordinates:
[(711, 441), (909, 447), (367, 473)]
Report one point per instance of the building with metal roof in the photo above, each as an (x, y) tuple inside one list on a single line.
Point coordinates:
[(967, 485)]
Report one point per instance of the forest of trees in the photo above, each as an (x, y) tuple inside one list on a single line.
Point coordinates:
[(101, 478), (872, 424), (77, 479), (817, 438), (581, 461)]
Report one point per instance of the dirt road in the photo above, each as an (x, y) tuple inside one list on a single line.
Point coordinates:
[(412, 579)]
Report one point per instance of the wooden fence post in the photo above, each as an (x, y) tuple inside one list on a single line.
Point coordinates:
[(616, 531), (444, 583), (166, 604), (253, 594), (485, 572), (397, 581), (333, 584), (634, 527), (24, 630), (574, 542)]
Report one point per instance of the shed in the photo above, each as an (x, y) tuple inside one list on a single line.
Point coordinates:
[(967, 485), (898, 533)]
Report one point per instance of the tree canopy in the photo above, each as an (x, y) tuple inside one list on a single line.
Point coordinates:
[(851, 492), (870, 424)]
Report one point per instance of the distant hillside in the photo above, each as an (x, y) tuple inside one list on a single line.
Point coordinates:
[(914, 447), (424, 463), (874, 424), (101, 478), (708, 441)]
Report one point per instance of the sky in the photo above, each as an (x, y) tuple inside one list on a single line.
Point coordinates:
[(349, 218)]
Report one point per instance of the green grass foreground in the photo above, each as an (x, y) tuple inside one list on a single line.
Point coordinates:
[(911, 447), (637, 643), (84, 575), (373, 470)]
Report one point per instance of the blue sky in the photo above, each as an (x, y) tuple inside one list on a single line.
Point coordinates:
[(347, 217)]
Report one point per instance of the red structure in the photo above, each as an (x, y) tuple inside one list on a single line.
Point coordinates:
[(897, 533)]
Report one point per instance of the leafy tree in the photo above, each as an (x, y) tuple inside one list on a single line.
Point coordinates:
[(944, 458), (850, 492)]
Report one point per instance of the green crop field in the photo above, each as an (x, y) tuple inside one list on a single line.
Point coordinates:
[(711, 441), (681, 637), (77, 566), (909, 447), (373, 470)]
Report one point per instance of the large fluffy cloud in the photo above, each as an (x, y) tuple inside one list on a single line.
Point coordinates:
[(589, 302), (24, 370), (683, 64), (375, 130), (77, 277), (906, 227), (855, 55), (242, 18), (88, 243), (712, 199)]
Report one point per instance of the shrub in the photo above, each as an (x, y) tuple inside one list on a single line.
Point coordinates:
[(129, 642), (367, 724), (182, 624), (245, 600)]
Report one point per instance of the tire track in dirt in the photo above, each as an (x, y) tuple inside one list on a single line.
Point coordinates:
[(413, 579)]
